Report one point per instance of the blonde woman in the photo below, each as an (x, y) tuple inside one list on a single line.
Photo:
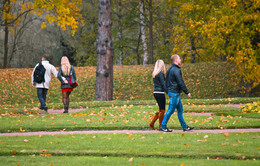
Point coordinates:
[(64, 72), (159, 75)]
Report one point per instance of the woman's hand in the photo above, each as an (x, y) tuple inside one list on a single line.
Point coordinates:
[(66, 82)]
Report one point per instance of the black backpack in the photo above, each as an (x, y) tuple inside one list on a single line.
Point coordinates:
[(39, 73)]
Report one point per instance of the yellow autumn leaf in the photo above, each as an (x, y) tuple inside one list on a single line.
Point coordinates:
[(44, 25)]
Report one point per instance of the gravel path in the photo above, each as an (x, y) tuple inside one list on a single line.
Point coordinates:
[(126, 131), (61, 111)]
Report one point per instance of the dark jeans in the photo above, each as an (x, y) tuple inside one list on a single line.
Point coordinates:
[(42, 93), (160, 98)]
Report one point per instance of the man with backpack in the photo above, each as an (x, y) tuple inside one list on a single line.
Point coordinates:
[(41, 77)]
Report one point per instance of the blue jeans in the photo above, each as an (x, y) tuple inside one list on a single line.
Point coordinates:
[(42, 93), (175, 102)]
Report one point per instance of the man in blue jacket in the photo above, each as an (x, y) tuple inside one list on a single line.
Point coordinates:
[(175, 85)]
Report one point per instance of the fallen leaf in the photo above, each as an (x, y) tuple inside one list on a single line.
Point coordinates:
[(200, 140), (210, 118), (26, 140), (226, 134), (131, 159), (183, 135)]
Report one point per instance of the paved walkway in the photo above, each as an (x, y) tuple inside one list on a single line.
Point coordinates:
[(61, 111), (126, 132)]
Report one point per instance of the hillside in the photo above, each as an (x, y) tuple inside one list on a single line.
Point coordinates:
[(204, 80)]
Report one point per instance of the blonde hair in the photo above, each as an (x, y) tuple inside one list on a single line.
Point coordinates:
[(159, 67), (65, 66)]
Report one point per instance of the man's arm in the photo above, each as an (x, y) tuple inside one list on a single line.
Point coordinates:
[(54, 71), (180, 81)]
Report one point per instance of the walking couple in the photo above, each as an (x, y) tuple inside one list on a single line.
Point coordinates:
[(173, 84), (41, 78)]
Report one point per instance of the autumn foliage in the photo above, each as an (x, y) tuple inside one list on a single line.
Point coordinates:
[(65, 12), (204, 80), (221, 30)]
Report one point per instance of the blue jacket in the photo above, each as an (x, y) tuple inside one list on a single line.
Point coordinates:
[(174, 81)]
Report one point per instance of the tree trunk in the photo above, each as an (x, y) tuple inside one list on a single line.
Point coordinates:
[(137, 48), (142, 25), (193, 48), (6, 40), (120, 33), (104, 73), (1, 11), (151, 29)]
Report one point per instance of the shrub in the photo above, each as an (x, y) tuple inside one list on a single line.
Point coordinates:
[(251, 107)]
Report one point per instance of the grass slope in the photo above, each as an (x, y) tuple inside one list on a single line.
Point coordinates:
[(204, 80)]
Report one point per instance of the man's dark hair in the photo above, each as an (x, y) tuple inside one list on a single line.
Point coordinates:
[(46, 56)]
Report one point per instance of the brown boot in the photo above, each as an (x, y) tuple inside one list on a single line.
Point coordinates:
[(161, 115), (154, 120)]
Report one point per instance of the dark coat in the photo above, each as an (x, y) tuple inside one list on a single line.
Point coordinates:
[(174, 81), (159, 83), (60, 75)]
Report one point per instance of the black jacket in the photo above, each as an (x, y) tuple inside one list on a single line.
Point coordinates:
[(159, 83), (174, 81), (60, 73)]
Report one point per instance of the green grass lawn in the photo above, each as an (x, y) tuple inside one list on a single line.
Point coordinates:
[(129, 149), (118, 161), (194, 103), (185, 148), (119, 118)]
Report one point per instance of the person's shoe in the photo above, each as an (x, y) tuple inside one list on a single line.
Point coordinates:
[(188, 129), (166, 130), (66, 109), (45, 108)]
